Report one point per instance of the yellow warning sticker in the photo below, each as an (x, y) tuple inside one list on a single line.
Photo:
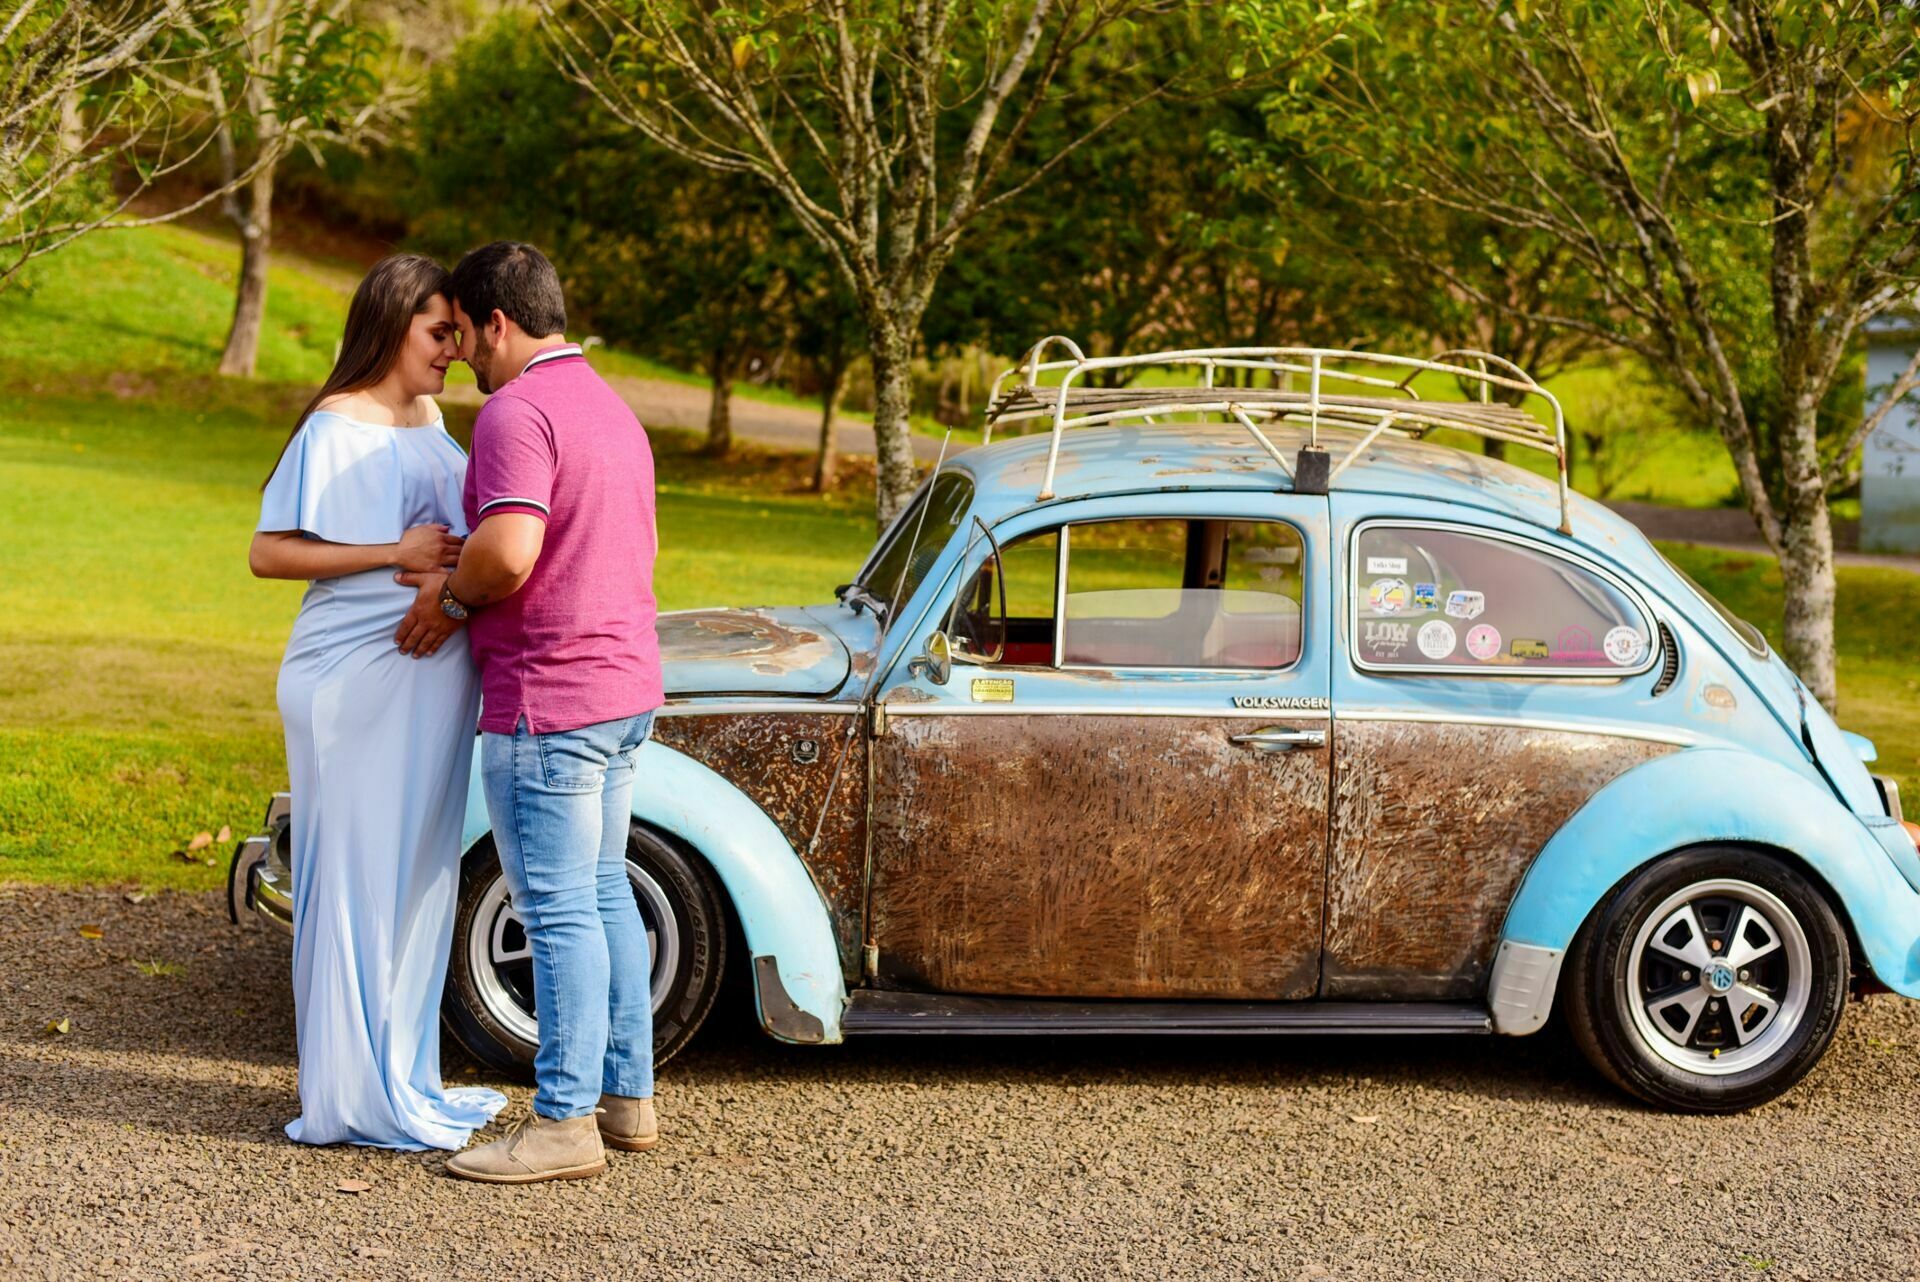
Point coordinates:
[(993, 689)]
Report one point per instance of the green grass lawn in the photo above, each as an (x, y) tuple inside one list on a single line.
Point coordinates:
[(138, 656)]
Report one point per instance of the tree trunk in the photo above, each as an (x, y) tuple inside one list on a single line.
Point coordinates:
[(720, 406), (250, 301), (1806, 556), (827, 461), (890, 343)]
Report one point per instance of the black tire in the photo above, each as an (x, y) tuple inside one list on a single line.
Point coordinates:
[(700, 919), (1597, 988)]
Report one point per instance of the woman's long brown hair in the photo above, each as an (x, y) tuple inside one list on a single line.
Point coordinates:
[(398, 289)]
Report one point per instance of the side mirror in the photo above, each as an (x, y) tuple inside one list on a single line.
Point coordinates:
[(937, 662)]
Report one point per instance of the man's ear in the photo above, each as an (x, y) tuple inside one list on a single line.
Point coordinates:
[(498, 326)]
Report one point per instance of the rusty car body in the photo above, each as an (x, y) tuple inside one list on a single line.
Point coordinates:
[(1303, 722)]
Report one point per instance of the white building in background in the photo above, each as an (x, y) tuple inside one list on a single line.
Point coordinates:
[(1890, 473)]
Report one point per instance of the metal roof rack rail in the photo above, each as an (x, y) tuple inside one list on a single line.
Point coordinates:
[(1354, 391)]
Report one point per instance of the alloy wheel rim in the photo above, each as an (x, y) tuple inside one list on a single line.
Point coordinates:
[(1719, 977), (501, 962)]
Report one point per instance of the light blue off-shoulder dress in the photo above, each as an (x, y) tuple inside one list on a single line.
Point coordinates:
[(379, 748)]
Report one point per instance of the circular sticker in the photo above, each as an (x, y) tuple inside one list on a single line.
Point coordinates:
[(1624, 646), (1437, 638), (1387, 596), (1483, 641)]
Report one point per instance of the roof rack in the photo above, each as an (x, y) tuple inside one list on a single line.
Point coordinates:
[(1372, 393)]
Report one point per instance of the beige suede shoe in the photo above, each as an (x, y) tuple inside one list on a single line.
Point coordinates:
[(537, 1149), (628, 1124)]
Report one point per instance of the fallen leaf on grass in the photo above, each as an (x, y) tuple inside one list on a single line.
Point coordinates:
[(183, 857), (159, 969), (61, 1026), (352, 1186), (201, 840), (91, 932), (225, 833), (137, 896)]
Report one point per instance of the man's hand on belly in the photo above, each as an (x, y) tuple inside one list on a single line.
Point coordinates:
[(426, 627)]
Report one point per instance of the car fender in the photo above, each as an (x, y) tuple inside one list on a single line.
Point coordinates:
[(796, 968), (1690, 798)]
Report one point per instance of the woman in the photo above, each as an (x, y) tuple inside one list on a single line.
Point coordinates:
[(379, 742)]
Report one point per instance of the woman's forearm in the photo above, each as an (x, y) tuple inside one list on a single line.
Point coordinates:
[(294, 556)]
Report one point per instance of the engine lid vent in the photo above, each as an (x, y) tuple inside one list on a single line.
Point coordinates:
[(1669, 660)]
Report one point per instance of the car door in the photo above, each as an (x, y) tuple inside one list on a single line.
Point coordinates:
[(1131, 801), (1490, 682)]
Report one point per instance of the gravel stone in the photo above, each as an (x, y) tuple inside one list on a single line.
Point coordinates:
[(146, 1143)]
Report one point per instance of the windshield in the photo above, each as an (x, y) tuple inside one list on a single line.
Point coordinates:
[(1749, 635), (891, 576)]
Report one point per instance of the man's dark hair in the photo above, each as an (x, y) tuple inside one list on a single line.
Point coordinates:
[(515, 278)]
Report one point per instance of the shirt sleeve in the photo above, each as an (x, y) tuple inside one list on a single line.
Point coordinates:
[(513, 460), (337, 482)]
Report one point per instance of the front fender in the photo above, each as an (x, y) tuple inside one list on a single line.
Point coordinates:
[(1685, 799), (796, 968)]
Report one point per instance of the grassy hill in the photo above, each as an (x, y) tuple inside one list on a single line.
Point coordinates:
[(139, 656)]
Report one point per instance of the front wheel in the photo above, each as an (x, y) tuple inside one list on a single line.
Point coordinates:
[(1710, 981), (488, 1006)]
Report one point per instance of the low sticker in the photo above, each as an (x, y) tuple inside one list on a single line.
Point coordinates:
[(1426, 596), (1387, 596), (1386, 565), (993, 689), (1574, 645), (1386, 640), (1437, 638), (1624, 646), (1483, 641), (1463, 603), (1529, 648)]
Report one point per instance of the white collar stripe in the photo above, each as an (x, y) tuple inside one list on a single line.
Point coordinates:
[(552, 354)]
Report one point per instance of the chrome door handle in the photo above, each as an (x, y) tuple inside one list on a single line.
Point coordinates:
[(1280, 739)]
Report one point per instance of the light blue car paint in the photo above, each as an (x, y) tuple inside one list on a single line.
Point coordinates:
[(780, 910), (1720, 795)]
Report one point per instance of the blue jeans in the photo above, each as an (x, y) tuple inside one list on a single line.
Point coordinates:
[(560, 805)]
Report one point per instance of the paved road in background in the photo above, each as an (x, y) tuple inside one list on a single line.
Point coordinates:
[(146, 1143)]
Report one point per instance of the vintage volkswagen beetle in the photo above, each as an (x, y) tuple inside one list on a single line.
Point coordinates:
[(1245, 709)]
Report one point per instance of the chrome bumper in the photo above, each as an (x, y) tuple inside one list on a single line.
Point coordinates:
[(260, 878)]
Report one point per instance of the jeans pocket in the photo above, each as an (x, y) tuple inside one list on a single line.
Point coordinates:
[(639, 730), (570, 761)]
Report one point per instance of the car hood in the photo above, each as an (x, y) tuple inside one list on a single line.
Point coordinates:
[(769, 651)]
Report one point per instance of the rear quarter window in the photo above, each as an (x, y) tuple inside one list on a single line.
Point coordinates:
[(1445, 599)]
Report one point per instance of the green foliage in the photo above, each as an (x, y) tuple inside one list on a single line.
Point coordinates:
[(700, 268)]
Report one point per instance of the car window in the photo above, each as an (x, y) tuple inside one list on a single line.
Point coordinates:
[(1183, 594), (916, 539), (1030, 565), (1429, 599)]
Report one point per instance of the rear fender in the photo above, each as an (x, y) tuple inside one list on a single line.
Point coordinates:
[(1690, 798), (796, 968)]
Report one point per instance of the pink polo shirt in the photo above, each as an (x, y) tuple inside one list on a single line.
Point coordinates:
[(576, 644)]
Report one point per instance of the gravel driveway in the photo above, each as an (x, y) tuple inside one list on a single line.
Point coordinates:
[(145, 1143)]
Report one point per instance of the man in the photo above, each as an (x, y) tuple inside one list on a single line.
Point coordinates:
[(555, 584)]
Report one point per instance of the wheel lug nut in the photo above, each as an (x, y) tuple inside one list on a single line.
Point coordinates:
[(1743, 976), (1686, 974), (1713, 1005)]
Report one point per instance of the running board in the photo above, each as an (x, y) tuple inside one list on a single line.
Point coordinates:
[(871, 1011)]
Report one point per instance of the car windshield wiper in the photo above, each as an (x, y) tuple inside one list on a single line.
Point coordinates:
[(854, 597)]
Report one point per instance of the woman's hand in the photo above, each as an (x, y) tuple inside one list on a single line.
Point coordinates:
[(427, 549)]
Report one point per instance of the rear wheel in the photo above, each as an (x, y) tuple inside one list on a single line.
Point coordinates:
[(1710, 981), (489, 1004)]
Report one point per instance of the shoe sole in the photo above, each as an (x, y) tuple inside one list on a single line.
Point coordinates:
[(569, 1173), (626, 1145)]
